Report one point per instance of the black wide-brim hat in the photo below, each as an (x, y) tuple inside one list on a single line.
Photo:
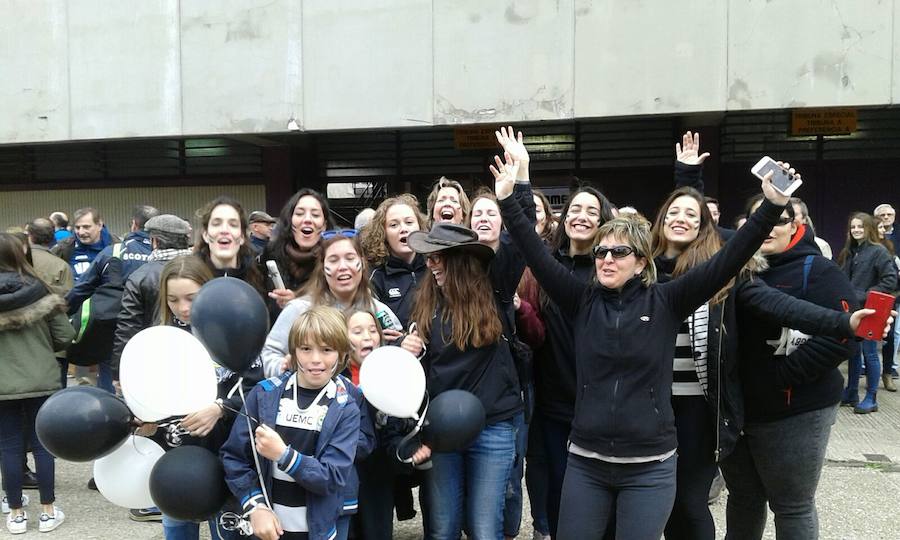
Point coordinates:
[(444, 236)]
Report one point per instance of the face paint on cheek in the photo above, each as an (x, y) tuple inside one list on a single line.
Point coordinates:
[(329, 270), (357, 264)]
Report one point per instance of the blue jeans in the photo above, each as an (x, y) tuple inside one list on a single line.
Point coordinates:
[(472, 483), (512, 509), (868, 353), (190, 530), (17, 418), (640, 494), (778, 463), (105, 378)]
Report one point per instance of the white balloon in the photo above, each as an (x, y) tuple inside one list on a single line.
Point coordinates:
[(392, 380), (166, 372), (123, 477)]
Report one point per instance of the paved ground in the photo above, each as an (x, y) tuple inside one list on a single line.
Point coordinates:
[(858, 496)]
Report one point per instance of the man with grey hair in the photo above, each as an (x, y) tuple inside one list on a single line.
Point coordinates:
[(363, 218), (886, 214)]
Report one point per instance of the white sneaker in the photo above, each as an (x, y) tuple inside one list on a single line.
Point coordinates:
[(17, 524), (5, 504), (48, 522)]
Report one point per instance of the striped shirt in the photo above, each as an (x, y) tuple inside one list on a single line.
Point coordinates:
[(689, 377), (301, 413)]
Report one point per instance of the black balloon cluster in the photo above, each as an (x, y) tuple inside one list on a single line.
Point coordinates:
[(85, 423)]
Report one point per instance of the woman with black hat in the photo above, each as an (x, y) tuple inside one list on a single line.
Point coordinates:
[(458, 311)]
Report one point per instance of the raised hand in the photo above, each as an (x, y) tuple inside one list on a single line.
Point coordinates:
[(504, 176), (776, 197), (688, 151), (513, 145)]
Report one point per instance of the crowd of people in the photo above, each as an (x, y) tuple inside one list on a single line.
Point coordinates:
[(623, 363)]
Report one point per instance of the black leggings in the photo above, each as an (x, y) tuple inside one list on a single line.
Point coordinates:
[(690, 518)]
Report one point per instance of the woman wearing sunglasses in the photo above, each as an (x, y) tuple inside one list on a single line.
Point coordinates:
[(338, 280), (623, 440), (706, 394), (791, 386)]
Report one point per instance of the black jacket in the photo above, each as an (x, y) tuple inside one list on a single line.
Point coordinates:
[(395, 283), (625, 339), (554, 361), (779, 385), (489, 372), (724, 394), (870, 267)]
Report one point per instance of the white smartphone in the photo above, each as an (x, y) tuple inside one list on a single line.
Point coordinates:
[(275, 275), (782, 180)]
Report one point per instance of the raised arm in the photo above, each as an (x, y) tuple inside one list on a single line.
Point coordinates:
[(689, 162), (563, 288), (690, 290)]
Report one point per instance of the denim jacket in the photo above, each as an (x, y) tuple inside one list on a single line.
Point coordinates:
[(324, 476)]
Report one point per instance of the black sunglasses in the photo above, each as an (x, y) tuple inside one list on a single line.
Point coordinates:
[(349, 233), (618, 252), (784, 221)]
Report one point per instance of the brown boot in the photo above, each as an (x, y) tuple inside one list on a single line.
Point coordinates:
[(888, 383)]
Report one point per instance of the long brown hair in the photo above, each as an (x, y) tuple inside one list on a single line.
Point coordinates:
[(551, 221), (12, 257), (467, 298), (871, 235), (373, 238), (183, 267), (317, 287), (245, 253), (701, 249)]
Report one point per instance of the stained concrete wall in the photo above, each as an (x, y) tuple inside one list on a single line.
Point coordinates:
[(97, 69)]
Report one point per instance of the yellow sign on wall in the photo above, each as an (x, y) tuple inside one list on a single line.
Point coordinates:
[(475, 137), (823, 121)]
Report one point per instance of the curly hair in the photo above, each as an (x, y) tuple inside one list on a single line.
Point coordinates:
[(373, 239), (467, 298)]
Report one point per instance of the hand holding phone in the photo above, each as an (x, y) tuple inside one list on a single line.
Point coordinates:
[(782, 179), (274, 274), (872, 326)]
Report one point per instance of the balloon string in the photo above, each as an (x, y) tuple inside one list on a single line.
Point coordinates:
[(262, 483), (419, 423), (242, 413)]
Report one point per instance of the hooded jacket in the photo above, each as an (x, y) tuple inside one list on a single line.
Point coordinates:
[(783, 372), (724, 398), (625, 339), (33, 326)]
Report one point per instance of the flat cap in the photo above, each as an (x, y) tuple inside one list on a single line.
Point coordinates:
[(169, 224), (260, 216)]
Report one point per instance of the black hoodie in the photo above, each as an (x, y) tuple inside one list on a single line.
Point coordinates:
[(777, 385)]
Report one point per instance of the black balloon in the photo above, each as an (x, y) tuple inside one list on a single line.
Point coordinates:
[(231, 320), (188, 483), (82, 423), (453, 421)]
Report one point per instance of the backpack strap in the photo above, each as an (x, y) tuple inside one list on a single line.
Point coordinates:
[(807, 266)]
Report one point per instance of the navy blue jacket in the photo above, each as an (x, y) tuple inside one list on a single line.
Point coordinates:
[(78, 255), (395, 284), (135, 251), (625, 339), (324, 476)]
